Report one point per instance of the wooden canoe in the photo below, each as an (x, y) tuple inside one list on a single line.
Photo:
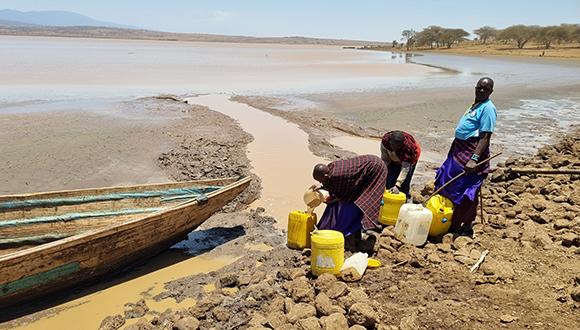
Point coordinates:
[(54, 240)]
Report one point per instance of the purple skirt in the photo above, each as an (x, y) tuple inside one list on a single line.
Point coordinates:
[(463, 188), (342, 216)]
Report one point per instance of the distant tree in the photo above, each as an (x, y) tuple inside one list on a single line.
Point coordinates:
[(394, 44), (430, 36), (572, 32), (485, 33), (409, 37), (548, 34), (521, 34), (451, 36)]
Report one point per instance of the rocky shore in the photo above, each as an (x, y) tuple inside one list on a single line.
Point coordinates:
[(529, 278)]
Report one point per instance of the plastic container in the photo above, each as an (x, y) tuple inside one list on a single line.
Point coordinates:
[(354, 267), (327, 255), (413, 224), (442, 209), (300, 225), (390, 209)]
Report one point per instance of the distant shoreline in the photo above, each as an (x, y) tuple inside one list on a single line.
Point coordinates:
[(491, 50), (135, 34)]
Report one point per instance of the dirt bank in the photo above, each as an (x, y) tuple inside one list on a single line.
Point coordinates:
[(529, 279)]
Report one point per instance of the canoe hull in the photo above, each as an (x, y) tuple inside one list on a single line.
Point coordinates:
[(54, 266)]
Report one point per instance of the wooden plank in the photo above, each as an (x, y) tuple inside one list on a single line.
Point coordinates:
[(38, 279)]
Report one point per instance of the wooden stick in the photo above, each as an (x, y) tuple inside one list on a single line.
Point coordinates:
[(481, 205), (462, 174), (545, 170), (478, 263)]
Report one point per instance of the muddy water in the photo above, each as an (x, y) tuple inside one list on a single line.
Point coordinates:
[(91, 309), (279, 155)]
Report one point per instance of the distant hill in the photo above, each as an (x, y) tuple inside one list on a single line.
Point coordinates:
[(53, 18), (139, 34)]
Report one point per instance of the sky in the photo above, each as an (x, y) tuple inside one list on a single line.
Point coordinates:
[(345, 19)]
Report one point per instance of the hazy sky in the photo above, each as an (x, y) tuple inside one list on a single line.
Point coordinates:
[(353, 19)]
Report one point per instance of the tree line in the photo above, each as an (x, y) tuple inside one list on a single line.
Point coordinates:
[(437, 36)]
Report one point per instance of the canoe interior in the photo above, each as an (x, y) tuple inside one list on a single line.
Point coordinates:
[(32, 219)]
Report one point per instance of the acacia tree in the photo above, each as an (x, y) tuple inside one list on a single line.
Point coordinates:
[(485, 33), (409, 37), (451, 36), (521, 34), (430, 36), (548, 34)]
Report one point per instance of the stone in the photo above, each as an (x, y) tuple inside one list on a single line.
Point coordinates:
[(137, 310), (301, 311), (355, 296), (409, 322), (506, 318), (434, 258), (464, 260), (511, 214), (310, 323), (570, 239), (221, 313), (362, 314), (286, 326), (228, 281), (543, 240), (257, 320), (325, 307), (324, 282), (335, 321), (276, 320), (288, 304), (561, 224), (549, 189), (142, 324), (113, 322), (461, 242), (447, 238), (575, 293), (357, 327), (444, 247), (277, 304), (186, 323), (337, 290), (260, 292)]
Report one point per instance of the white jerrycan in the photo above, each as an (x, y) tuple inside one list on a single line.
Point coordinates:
[(413, 224)]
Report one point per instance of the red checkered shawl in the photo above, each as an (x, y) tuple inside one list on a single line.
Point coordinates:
[(360, 180)]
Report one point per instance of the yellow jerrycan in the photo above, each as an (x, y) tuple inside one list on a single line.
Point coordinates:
[(327, 255), (442, 209), (390, 209), (300, 225)]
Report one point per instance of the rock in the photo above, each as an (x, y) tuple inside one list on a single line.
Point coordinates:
[(113, 322), (325, 307), (506, 318), (335, 321), (561, 224), (447, 238), (310, 323), (286, 326), (301, 311), (464, 260), (575, 293), (511, 214), (228, 281), (444, 247), (337, 290), (497, 221), (277, 305), (461, 242), (357, 327), (288, 304), (142, 324), (570, 239), (387, 233), (324, 282), (362, 314), (260, 292), (355, 296), (186, 323), (276, 320), (434, 258), (549, 189), (543, 240), (409, 323), (257, 320), (221, 313), (429, 188), (137, 310)]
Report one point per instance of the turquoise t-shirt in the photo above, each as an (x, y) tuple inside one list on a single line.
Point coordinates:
[(480, 119)]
